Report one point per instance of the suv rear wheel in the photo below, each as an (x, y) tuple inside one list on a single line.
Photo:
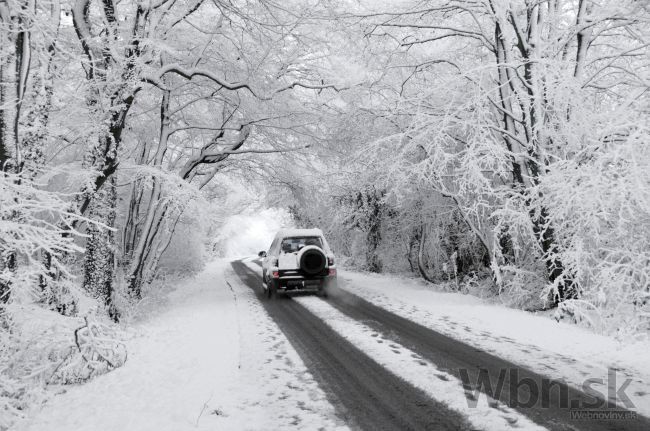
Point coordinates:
[(271, 289)]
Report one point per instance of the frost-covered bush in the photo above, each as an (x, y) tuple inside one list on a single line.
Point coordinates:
[(41, 340), (35, 237), (599, 200), (96, 351), (39, 347)]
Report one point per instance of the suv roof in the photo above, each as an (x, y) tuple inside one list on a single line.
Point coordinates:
[(286, 233), (293, 233)]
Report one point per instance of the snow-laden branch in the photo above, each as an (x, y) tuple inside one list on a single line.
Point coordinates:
[(156, 79), (33, 223), (218, 154), (189, 73), (453, 31), (311, 87), (206, 156), (82, 28)]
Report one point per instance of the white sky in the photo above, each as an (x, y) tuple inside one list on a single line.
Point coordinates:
[(248, 234)]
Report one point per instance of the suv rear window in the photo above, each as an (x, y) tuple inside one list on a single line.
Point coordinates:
[(291, 245)]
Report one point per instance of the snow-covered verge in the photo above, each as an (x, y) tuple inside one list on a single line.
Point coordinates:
[(556, 349), (208, 357), (41, 349)]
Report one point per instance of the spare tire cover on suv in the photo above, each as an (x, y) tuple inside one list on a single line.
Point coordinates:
[(312, 260)]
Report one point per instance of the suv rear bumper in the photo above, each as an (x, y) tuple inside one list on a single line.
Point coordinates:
[(301, 283)]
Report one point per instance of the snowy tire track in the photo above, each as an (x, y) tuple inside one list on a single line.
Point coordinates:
[(486, 415), (364, 393), (282, 393), (451, 356)]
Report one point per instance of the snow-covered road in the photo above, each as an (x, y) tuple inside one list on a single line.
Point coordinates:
[(444, 367), (215, 355)]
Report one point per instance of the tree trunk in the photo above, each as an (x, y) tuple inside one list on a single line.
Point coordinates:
[(155, 210), (373, 234), (583, 38), (533, 115), (566, 286), (373, 239), (413, 241), (23, 64), (421, 266), (7, 263), (4, 151), (159, 250), (100, 247), (132, 220), (4, 41)]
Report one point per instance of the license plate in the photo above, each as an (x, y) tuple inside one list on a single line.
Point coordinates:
[(304, 283)]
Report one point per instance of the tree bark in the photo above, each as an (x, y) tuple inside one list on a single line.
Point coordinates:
[(528, 44), (100, 247), (421, 266), (153, 213), (583, 38), (23, 65), (4, 151)]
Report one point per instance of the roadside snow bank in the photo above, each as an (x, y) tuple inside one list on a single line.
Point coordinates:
[(176, 367), (40, 347), (208, 358), (555, 349)]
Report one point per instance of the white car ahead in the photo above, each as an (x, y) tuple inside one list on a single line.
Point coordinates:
[(298, 260)]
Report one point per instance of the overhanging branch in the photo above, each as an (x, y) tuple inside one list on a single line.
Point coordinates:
[(258, 151), (189, 73)]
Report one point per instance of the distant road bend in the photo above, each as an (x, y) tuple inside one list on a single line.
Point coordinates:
[(369, 397)]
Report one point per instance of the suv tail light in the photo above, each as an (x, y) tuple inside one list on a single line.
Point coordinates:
[(330, 260), (332, 272), (276, 274)]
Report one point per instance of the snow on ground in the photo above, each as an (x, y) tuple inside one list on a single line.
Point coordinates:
[(555, 349), (420, 373), (289, 397), (209, 359)]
